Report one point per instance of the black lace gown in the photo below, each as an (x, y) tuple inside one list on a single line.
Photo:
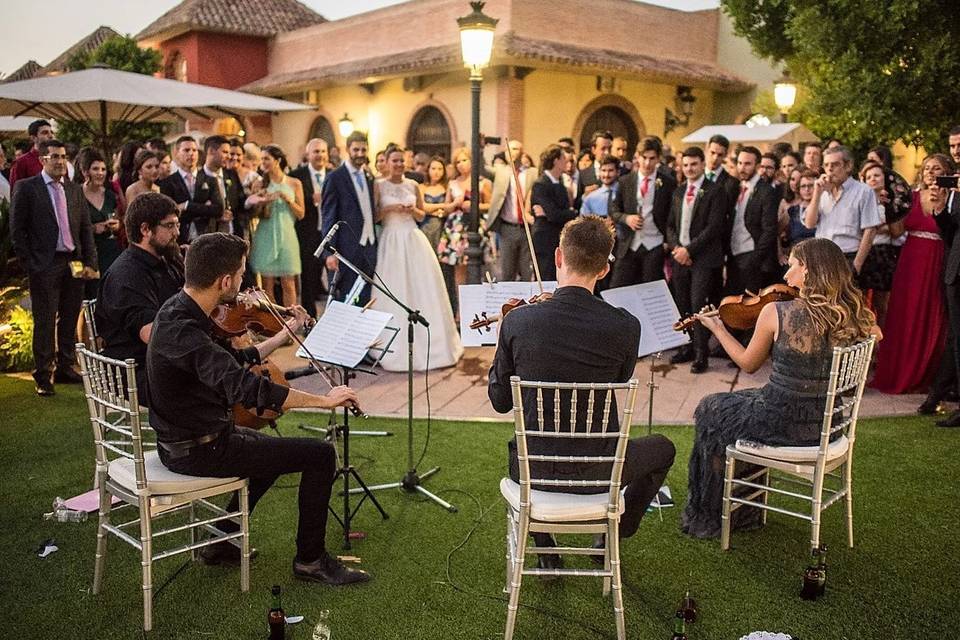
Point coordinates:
[(788, 410)]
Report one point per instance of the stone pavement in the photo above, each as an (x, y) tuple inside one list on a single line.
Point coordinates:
[(460, 392)]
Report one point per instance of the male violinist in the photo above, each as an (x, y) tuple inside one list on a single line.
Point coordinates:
[(194, 381), (590, 341)]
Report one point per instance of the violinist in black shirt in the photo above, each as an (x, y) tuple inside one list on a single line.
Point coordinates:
[(194, 381), (140, 280)]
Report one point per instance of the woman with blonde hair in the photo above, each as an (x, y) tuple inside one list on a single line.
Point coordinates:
[(916, 322), (798, 336)]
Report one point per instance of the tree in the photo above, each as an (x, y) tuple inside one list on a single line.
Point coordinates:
[(875, 71), (122, 53)]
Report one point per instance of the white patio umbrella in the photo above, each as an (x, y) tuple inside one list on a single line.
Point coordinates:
[(100, 95)]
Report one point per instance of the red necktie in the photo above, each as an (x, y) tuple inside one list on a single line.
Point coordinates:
[(743, 190), (691, 191), (644, 186)]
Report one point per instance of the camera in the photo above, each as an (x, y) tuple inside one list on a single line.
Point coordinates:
[(485, 140), (948, 182)]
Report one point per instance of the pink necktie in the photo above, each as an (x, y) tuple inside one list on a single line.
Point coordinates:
[(60, 200), (743, 190), (190, 183), (691, 191), (644, 186)]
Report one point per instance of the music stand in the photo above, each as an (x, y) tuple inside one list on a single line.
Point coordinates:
[(411, 481), (335, 338)]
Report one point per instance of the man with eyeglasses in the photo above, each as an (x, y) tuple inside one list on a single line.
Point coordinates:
[(140, 280), (53, 238)]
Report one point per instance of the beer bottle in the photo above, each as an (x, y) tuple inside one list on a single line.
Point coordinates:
[(276, 620), (679, 628), (811, 578)]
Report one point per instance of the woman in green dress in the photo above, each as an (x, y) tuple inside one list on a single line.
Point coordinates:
[(102, 205), (275, 251)]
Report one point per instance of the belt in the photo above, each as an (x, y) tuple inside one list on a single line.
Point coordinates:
[(181, 448), (926, 235), (510, 224)]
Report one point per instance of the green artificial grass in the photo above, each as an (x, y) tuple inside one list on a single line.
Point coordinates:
[(900, 581)]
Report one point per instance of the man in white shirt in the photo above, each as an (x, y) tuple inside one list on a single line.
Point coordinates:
[(842, 209), (752, 232)]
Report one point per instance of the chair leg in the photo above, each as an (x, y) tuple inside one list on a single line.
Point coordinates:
[(245, 540), (725, 514), (192, 517), (606, 559), (766, 496), (146, 562), (613, 559), (848, 501), (103, 519), (511, 550), (516, 577)]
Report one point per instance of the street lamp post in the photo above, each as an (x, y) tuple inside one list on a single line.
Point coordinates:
[(784, 94), (476, 44)]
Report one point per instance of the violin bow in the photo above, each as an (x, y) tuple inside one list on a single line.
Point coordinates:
[(270, 307), (520, 198)]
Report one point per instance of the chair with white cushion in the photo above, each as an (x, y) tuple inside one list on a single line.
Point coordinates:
[(808, 469), (139, 479), (89, 330), (534, 511)]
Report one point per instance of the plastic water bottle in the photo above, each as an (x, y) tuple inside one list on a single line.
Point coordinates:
[(61, 513), (322, 630)]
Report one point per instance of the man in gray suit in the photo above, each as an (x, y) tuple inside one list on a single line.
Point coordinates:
[(504, 218), (53, 238)]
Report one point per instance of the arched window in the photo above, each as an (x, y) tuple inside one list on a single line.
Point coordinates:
[(176, 67), (429, 133), (612, 119), (321, 129)]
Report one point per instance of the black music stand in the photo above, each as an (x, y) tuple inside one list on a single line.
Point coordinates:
[(411, 481), (345, 470)]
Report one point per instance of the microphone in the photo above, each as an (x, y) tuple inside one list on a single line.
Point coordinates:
[(300, 372), (326, 241)]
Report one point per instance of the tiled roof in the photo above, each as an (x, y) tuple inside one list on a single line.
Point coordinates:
[(510, 49), (243, 17), (91, 42), (25, 72)]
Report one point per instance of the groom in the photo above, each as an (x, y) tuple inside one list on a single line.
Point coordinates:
[(348, 198)]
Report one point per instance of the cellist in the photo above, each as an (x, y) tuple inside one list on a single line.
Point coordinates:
[(194, 382)]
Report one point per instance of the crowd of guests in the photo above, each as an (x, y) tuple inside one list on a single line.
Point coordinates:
[(715, 221)]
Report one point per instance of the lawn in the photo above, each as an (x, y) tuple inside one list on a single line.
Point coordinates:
[(440, 575)]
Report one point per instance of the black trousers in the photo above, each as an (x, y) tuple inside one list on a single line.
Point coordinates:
[(694, 288), (548, 268), (55, 298), (743, 275), (310, 274), (953, 315), (261, 458), (645, 466), (635, 267)]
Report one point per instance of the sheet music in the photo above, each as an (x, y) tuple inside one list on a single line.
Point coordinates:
[(475, 299), (651, 304), (344, 333)]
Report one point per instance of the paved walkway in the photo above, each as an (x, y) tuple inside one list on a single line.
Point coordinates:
[(460, 393)]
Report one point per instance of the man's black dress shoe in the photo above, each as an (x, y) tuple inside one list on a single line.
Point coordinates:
[(699, 366), (685, 354), (328, 570), (549, 561), (599, 542), (223, 553), (67, 375), (929, 407), (951, 422), (45, 389)]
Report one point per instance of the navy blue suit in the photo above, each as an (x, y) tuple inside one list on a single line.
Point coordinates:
[(339, 203)]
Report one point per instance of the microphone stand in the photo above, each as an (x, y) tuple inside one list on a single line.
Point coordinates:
[(412, 481)]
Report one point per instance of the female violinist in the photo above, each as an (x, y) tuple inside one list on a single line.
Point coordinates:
[(798, 336)]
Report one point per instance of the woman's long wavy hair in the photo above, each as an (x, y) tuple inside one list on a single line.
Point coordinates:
[(834, 302)]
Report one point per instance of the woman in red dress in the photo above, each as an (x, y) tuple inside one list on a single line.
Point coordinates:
[(916, 319)]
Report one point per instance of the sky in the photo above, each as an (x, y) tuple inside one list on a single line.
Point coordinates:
[(42, 31)]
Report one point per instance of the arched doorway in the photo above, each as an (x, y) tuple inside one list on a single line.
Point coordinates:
[(616, 121), (429, 133), (321, 129)]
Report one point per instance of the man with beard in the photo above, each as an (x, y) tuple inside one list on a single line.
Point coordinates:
[(147, 273)]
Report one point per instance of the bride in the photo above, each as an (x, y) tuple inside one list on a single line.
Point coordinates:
[(408, 265)]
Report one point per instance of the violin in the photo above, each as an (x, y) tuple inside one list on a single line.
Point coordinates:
[(483, 320), (742, 311), (248, 313)]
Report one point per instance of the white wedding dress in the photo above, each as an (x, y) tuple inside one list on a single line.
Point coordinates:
[(408, 265)]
